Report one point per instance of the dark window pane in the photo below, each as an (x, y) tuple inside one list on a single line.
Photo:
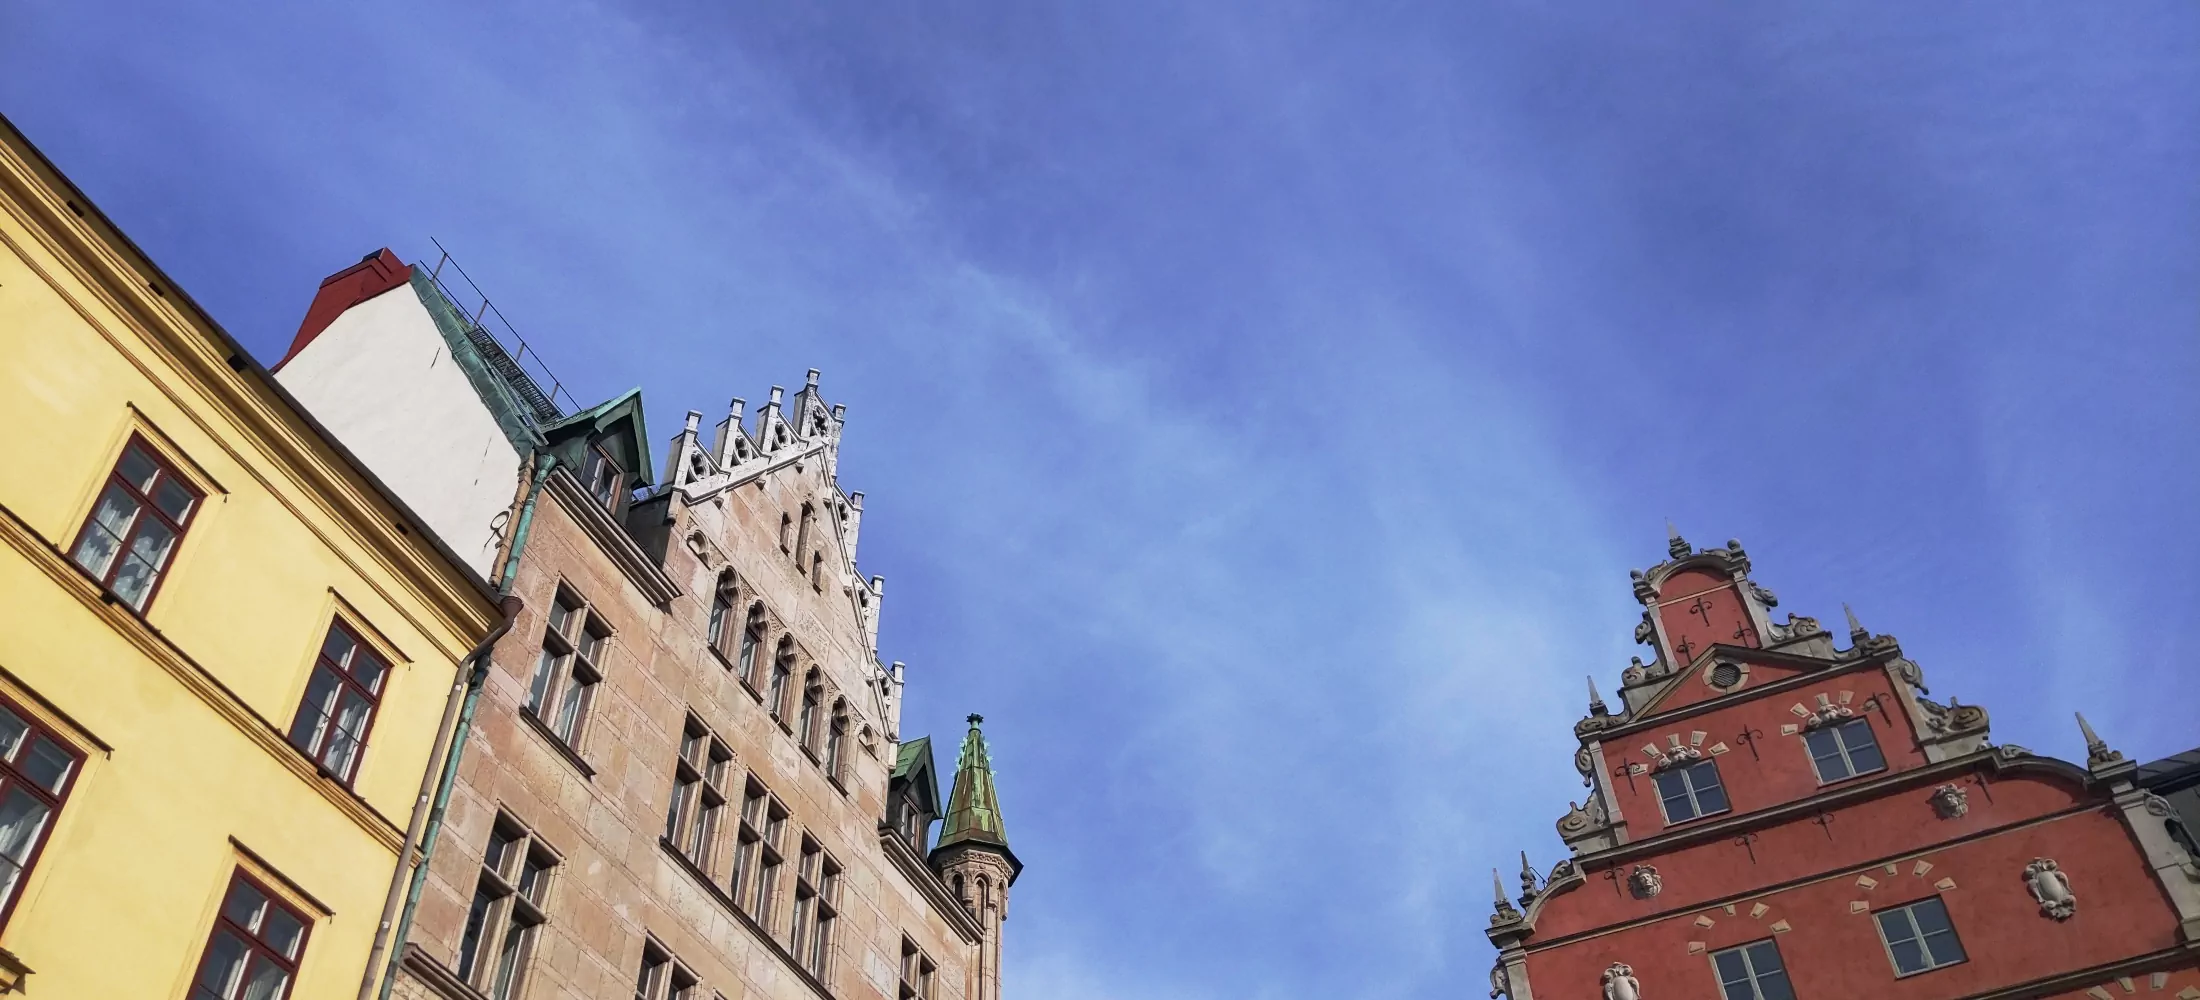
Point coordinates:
[(22, 819), (1944, 948), (1865, 755), (1710, 797), (283, 932), (538, 690), (1764, 957), (137, 468), (12, 729), (224, 966), (264, 981), (1774, 986), (1931, 916), (313, 712), (173, 500), (244, 906), (111, 521), (1908, 957), (1821, 744), (1731, 967), (368, 670), (337, 647), (47, 765), (477, 921)]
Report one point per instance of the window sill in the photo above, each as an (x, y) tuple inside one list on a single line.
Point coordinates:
[(837, 786), (751, 689), (718, 892), (721, 655), (571, 756), (1899, 974), (1698, 818)]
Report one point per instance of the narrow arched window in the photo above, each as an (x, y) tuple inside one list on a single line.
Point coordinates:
[(782, 675), (786, 531), (721, 613), (752, 643), (802, 533), (813, 691), (836, 739)]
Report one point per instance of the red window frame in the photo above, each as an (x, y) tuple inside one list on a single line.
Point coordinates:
[(315, 742), (163, 475), (257, 950), (16, 779)]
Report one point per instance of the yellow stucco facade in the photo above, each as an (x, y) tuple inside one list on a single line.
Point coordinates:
[(181, 715)]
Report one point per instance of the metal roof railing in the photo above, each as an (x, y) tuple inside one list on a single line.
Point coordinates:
[(520, 365)]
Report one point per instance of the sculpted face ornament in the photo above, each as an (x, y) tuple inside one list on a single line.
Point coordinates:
[(1951, 801), (2051, 888), (1645, 882), (1620, 984)]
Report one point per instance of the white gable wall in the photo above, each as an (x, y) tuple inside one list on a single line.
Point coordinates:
[(382, 380)]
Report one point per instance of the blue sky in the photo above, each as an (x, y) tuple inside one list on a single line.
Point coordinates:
[(1260, 407)]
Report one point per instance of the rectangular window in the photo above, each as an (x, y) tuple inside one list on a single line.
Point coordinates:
[(133, 529), (1752, 972), (782, 673), (564, 685), (1691, 791), (603, 477), (816, 896), (35, 773), (1919, 937), (338, 708), (916, 972), (253, 951), (662, 977), (813, 692), (757, 853), (698, 796), (507, 911), (1844, 751)]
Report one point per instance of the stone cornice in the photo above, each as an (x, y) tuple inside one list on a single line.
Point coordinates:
[(193, 677), (611, 538), (435, 975), (928, 884)]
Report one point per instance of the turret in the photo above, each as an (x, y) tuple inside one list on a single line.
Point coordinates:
[(973, 856)]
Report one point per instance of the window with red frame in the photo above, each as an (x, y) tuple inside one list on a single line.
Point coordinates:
[(134, 528), (338, 708), (253, 951), (35, 772)]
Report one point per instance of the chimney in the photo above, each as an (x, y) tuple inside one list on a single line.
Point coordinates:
[(376, 273)]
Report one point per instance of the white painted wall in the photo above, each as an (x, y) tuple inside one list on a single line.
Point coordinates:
[(382, 380)]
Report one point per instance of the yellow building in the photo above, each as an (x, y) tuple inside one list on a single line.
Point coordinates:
[(226, 653)]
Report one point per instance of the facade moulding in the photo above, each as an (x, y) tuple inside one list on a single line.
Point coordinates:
[(725, 902), (1993, 761), (194, 677), (1578, 876), (928, 884), (625, 553), (2168, 959), (435, 976), (1814, 671), (100, 263)]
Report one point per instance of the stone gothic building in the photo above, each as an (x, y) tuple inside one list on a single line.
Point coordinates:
[(1771, 815), (682, 772)]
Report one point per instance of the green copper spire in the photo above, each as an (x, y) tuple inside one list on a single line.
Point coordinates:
[(973, 808)]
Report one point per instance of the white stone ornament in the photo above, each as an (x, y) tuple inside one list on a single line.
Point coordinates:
[(1620, 984), (1645, 882), (1951, 801), (2051, 888)]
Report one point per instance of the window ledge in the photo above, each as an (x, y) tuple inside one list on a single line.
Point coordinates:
[(718, 892), (837, 785), (1853, 777), (565, 750), (436, 975), (723, 661)]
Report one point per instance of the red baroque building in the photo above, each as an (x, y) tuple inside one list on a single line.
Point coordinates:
[(1771, 817)]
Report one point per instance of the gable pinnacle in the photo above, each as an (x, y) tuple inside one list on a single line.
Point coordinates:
[(1505, 912), (1675, 545), (1527, 880), (1596, 701), (1857, 632), (2097, 753)]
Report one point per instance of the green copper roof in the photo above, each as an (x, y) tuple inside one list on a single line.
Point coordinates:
[(973, 808)]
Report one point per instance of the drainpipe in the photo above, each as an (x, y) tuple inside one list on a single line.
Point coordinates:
[(475, 682), (477, 659)]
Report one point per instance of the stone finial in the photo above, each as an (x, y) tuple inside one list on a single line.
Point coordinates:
[(1675, 545), (693, 423), (1527, 880), (840, 413), (1505, 912), (1857, 632), (779, 393), (810, 380), (2097, 753), (1596, 701)]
